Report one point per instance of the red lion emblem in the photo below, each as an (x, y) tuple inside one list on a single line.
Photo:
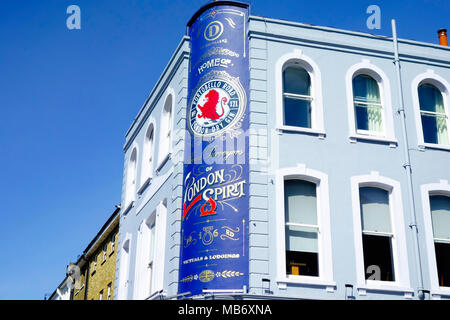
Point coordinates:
[(209, 109)]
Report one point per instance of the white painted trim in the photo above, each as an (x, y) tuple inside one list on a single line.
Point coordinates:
[(160, 247), (124, 269), (441, 188), (317, 118), (130, 195), (142, 281), (439, 82), (162, 131), (367, 68), (325, 277), (147, 173), (157, 183), (399, 249), (143, 285)]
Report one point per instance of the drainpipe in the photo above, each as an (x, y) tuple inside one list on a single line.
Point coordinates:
[(407, 165)]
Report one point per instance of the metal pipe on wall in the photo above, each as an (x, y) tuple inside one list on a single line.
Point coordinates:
[(407, 165)]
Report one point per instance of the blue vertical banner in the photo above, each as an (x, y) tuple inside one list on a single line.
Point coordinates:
[(214, 224)]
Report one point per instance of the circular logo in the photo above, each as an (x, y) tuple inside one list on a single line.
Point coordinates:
[(213, 30), (206, 276), (216, 105)]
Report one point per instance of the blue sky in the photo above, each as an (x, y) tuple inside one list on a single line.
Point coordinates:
[(67, 98)]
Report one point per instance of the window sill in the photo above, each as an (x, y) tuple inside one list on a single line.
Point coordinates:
[(354, 137), (163, 162), (441, 291), (127, 209), (307, 280), (144, 186), (424, 146), (382, 286), (320, 133)]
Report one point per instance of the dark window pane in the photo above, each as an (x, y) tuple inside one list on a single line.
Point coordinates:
[(296, 80), (362, 118), (378, 252), (429, 127), (302, 263), (365, 89), (443, 263), (430, 98), (297, 112)]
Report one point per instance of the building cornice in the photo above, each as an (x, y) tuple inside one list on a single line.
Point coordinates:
[(181, 53), (380, 46)]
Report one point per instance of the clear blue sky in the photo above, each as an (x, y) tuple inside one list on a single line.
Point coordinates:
[(67, 98)]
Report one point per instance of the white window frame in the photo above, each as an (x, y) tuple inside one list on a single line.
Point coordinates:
[(398, 239), (113, 237), (105, 251), (124, 268), (108, 297), (325, 263), (442, 188), (144, 286), (166, 134), (148, 151), (131, 175), (429, 77), (367, 68), (95, 263), (144, 278), (297, 58)]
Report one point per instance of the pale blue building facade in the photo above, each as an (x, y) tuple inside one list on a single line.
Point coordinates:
[(333, 149)]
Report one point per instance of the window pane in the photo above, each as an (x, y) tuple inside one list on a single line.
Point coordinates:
[(365, 89), (442, 251), (430, 99), (300, 202), (434, 126), (434, 129), (378, 254), (368, 117), (301, 239), (375, 213), (302, 263), (152, 241), (297, 112), (429, 128), (296, 80), (440, 215)]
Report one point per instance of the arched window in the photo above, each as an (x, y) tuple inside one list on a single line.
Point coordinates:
[(131, 178), (376, 233), (303, 241), (381, 253), (148, 155), (297, 97), (145, 257), (440, 217), (367, 104), (432, 114), (166, 129), (124, 269), (301, 228)]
